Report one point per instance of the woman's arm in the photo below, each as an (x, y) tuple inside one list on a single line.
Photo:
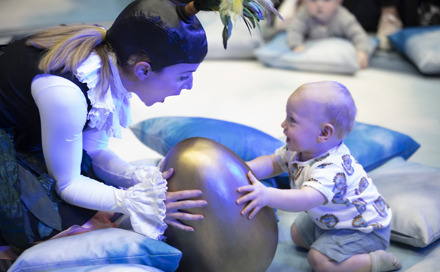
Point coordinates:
[(63, 113), (107, 165)]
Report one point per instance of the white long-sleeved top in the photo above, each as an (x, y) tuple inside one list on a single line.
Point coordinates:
[(63, 113)]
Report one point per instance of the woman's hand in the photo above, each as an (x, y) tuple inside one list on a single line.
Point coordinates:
[(256, 195), (168, 173), (175, 201)]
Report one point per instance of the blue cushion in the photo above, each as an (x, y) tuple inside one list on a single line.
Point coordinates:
[(331, 55), (99, 247), (162, 133), (108, 268), (421, 45), (370, 145)]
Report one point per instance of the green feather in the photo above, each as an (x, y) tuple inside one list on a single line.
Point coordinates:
[(252, 12)]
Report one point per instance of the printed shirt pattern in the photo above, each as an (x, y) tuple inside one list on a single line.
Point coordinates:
[(353, 201)]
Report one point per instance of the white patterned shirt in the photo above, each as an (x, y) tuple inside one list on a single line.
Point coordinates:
[(353, 201)]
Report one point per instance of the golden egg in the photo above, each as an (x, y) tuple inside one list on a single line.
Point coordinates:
[(225, 240)]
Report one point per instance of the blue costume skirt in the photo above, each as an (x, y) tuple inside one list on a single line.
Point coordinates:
[(30, 208)]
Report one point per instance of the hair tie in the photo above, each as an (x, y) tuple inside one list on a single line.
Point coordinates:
[(187, 12)]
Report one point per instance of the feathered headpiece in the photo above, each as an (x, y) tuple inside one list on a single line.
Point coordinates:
[(252, 11)]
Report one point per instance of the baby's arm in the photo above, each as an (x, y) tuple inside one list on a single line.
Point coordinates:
[(265, 166), (359, 37), (299, 48), (296, 31), (291, 200)]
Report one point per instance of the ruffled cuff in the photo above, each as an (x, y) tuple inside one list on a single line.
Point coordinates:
[(145, 203), (143, 172)]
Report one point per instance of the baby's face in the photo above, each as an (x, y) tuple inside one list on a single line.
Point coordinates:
[(322, 10), (302, 126)]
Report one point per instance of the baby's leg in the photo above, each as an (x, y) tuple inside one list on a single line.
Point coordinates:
[(297, 238), (303, 231), (320, 262), (376, 261), (349, 250), (384, 261)]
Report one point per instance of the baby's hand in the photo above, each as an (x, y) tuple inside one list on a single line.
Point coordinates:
[(299, 48), (256, 196), (362, 59)]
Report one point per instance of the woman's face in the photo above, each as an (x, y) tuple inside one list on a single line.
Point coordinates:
[(158, 85)]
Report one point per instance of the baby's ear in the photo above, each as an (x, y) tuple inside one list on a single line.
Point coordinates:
[(327, 132)]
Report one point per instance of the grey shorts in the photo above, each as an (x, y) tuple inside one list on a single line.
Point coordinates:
[(341, 244)]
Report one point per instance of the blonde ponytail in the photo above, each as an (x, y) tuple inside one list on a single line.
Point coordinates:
[(69, 46)]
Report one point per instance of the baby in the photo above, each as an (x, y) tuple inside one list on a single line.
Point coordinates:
[(346, 222), (316, 19)]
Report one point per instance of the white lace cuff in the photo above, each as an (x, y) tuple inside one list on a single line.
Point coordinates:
[(145, 203)]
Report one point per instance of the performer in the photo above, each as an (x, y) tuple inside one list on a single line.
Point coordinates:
[(64, 92)]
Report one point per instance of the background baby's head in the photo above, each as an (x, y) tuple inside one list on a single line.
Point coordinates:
[(322, 10)]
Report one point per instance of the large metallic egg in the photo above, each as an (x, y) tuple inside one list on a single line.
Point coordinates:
[(225, 240)]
